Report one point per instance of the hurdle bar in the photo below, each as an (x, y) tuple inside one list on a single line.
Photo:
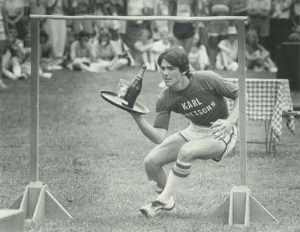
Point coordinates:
[(37, 200), (136, 18)]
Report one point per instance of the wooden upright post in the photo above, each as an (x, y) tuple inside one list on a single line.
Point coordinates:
[(241, 207), (36, 201), (242, 102), (34, 84)]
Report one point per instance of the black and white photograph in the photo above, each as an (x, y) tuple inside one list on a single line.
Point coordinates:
[(149, 115)]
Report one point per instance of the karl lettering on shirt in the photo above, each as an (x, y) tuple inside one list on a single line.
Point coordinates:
[(195, 103)]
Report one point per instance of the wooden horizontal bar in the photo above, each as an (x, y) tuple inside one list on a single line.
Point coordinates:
[(148, 18)]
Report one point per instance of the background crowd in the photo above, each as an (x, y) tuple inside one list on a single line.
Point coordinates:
[(102, 45)]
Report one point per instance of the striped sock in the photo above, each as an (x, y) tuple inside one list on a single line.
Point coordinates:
[(176, 176), (181, 169)]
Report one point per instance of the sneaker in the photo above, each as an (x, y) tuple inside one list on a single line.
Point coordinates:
[(156, 207), (170, 204)]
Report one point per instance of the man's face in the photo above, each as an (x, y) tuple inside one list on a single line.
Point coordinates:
[(171, 74)]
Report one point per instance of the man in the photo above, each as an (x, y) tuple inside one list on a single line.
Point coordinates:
[(199, 96)]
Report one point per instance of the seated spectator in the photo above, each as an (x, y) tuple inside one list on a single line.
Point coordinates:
[(257, 57), (14, 56), (105, 56), (227, 57), (198, 56), (81, 53), (143, 47), (122, 50), (16, 63)]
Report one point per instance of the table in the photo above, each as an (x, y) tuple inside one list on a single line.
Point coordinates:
[(268, 99)]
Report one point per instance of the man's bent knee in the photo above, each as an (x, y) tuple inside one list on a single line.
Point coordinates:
[(151, 162), (186, 153)]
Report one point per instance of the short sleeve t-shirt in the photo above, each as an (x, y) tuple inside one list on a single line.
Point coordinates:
[(104, 52), (202, 101), (78, 51)]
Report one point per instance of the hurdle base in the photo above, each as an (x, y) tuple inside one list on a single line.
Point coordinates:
[(241, 208), (11, 220), (37, 202)]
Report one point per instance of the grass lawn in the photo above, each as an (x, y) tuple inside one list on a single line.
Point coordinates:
[(91, 156)]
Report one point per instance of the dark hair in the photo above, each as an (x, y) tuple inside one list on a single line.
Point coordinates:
[(103, 34), (176, 56), (83, 34), (145, 32), (252, 33)]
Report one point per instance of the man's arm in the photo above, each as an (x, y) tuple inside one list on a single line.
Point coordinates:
[(234, 115), (143, 47), (222, 126), (156, 135), (17, 19)]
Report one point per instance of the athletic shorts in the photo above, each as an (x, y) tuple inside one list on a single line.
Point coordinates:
[(194, 132), (183, 30)]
